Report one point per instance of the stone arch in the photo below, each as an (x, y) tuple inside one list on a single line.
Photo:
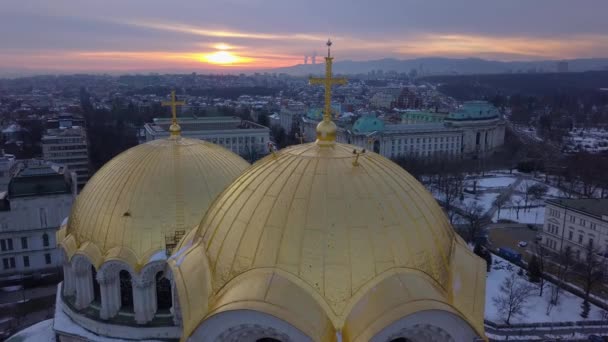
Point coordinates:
[(68, 287), (126, 291), (146, 302), (429, 325), (164, 297), (246, 326), (109, 278), (83, 280)]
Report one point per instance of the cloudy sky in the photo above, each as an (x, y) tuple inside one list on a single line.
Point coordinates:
[(203, 35)]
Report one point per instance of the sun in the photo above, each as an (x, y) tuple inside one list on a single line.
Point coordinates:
[(221, 58)]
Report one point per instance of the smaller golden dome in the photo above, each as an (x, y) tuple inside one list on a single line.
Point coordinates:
[(175, 129), (140, 198), (326, 132)]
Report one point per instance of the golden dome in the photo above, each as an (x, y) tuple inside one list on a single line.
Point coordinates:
[(314, 219), (144, 195)]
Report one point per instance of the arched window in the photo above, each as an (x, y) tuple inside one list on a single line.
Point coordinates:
[(45, 240), (268, 339), (126, 291), (163, 292), (96, 290)]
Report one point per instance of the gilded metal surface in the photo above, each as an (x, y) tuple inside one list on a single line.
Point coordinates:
[(327, 238), (175, 128), (140, 198), (326, 129), (333, 229)]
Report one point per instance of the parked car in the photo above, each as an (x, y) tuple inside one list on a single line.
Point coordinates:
[(509, 254), (522, 244), (532, 227)]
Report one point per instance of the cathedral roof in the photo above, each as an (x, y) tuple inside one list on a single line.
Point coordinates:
[(134, 205), (328, 225)]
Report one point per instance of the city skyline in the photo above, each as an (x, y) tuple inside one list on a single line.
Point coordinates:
[(251, 35)]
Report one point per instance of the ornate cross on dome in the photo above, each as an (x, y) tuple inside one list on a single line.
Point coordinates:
[(175, 129), (325, 133)]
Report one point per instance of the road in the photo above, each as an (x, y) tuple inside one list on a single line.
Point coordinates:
[(29, 293), (509, 235)]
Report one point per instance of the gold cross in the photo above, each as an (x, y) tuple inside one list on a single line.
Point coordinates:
[(327, 81), (174, 129)]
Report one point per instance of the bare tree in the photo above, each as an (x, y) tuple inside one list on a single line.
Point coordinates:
[(541, 256), (537, 192), (592, 268), (451, 186), (564, 264), (511, 301), (473, 214), (517, 201)]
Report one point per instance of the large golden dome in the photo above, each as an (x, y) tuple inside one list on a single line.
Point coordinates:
[(309, 234), (144, 195)]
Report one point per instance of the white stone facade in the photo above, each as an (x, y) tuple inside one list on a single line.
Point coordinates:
[(27, 232), (101, 295), (68, 146), (472, 140), (568, 225), (241, 137)]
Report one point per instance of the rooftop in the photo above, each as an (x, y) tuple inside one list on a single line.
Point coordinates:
[(475, 110), (591, 206), (37, 180), (161, 125)]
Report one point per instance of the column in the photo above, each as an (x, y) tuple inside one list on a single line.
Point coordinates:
[(144, 298), (68, 280), (175, 309), (109, 287), (84, 287)]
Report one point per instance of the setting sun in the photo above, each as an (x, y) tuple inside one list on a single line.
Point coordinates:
[(222, 58)]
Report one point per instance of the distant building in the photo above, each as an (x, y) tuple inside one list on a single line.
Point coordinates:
[(473, 131), (408, 99), (67, 145), (383, 100), (574, 224), (245, 138), (562, 66), (7, 162), (38, 199), (290, 114)]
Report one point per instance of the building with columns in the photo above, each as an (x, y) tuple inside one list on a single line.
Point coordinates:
[(318, 242), (473, 131), (245, 138)]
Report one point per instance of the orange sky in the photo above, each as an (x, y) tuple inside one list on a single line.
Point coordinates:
[(247, 35)]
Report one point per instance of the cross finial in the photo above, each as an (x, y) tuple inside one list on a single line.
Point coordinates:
[(326, 129), (175, 129)]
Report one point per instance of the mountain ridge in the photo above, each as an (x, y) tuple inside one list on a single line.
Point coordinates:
[(446, 65)]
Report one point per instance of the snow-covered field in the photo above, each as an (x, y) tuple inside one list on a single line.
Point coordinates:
[(534, 215), (591, 140), (492, 182), (567, 310), (484, 200), (552, 192)]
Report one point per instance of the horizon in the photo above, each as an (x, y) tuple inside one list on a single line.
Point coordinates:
[(235, 36)]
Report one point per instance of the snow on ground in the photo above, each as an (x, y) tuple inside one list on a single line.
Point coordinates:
[(567, 310), (41, 331), (484, 200), (492, 182), (551, 191), (534, 215)]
